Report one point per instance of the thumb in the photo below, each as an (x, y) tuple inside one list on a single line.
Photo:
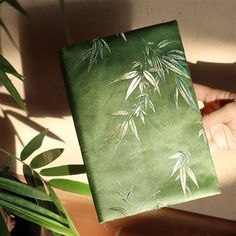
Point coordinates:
[(224, 115)]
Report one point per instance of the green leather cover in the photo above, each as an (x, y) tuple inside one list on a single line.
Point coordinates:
[(138, 122)]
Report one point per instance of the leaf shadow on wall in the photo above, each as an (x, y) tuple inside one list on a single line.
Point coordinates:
[(42, 36)]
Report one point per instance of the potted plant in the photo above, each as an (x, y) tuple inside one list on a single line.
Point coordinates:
[(33, 200)]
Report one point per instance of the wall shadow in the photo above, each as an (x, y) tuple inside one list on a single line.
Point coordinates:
[(41, 37), (216, 75)]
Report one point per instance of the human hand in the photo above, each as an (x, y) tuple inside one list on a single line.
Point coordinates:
[(219, 117)]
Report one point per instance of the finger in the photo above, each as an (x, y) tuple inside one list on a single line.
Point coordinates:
[(207, 94), (224, 115)]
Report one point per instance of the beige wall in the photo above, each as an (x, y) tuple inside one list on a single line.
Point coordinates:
[(208, 29)]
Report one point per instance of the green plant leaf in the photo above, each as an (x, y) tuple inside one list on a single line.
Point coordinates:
[(17, 6), (45, 158), (3, 227), (63, 170), (61, 208), (8, 68), (22, 189), (2, 24), (36, 217), (70, 186), (12, 90), (33, 145), (31, 206)]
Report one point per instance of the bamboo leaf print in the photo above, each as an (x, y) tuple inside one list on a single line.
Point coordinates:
[(96, 51), (120, 210), (120, 113), (202, 134), (133, 85), (145, 76), (121, 134), (164, 43), (133, 128), (111, 135), (184, 90), (183, 171), (192, 176), (182, 175)]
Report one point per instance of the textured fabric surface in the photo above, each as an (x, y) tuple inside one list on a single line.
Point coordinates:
[(137, 121)]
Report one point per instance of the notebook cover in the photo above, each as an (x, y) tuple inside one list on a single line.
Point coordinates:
[(138, 122)]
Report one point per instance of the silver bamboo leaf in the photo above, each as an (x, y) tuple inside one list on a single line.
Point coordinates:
[(123, 211), (192, 176), (164, 43), (176, 97), (181, 167), (179, 164), (182, 174), (133, 85), (111, 135), (93, 53), (120, 113), (202, 134), (175, 66), (184, 90), (121, 134), (123, 36), (133, 128), (151, 106), (176, 55)]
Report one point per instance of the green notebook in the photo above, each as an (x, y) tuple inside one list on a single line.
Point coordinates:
[(138, 122)]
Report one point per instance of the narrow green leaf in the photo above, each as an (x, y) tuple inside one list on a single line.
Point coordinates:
[(3, 227), (2, 24), (8, 68), (61, 208), (33, 145), (46, 157), (17, 6), (63, 170), (12, 90), (34, 217), (71, 186), (22, 189), (31, 206)]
